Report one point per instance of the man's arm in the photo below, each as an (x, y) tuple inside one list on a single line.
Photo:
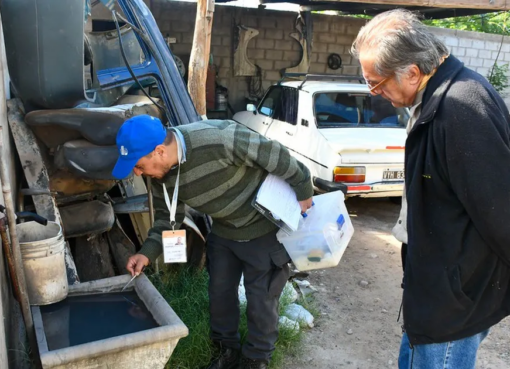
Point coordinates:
[(477, 144), (252, 149)]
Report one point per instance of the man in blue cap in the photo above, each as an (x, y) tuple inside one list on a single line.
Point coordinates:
[(216, 167)]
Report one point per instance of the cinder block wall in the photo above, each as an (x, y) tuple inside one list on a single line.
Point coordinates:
[(273, 49), (478, 51)]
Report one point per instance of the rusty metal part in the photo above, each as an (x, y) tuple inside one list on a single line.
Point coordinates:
[(132, 205), (301, 37), (15, 248), (33, 192), (242, 65), (8, 254)]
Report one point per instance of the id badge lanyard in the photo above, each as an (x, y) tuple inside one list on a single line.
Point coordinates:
[(172, 206)]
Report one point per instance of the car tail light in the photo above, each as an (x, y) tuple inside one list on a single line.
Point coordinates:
[(349, 174)]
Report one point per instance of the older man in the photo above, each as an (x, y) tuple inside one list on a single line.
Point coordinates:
[(457, 163), (216, 167)]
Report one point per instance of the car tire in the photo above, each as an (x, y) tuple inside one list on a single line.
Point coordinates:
[(396, 200)]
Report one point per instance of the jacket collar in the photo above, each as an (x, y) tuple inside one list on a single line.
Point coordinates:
[(437, 87)]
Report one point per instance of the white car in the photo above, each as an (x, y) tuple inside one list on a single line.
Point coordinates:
[(350, 140)]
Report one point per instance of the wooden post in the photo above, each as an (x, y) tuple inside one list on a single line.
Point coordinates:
[(199, 58)]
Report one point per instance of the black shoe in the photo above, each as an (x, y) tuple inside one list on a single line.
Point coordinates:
[(253, 364), (228, 359)]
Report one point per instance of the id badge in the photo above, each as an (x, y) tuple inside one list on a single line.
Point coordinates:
[(174, 246)]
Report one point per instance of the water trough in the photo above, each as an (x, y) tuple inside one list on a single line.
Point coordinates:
[(98, 326)]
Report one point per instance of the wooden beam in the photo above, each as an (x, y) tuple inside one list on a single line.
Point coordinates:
[(468, 4), (200, 50)]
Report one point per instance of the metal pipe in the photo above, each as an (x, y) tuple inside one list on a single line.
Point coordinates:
[(151, 204), (11, 218), (151, 211), (16, 252), (8, 254)]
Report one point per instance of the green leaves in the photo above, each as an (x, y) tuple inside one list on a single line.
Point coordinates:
[(498, 77), (496, 23)]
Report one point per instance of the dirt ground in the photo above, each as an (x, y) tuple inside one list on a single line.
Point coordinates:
[(358, 325)]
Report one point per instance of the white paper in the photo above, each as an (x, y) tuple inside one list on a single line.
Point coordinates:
[(279, 198)]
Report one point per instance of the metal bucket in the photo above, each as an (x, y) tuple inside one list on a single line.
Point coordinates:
[(42, 251)]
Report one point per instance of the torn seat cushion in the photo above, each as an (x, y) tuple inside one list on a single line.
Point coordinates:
[(87, 218), (56, 127), (86, 160)]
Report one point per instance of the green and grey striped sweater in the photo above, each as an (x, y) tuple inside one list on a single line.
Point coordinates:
[(225, 164)]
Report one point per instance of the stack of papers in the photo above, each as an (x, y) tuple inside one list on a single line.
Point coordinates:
[(277, 201)]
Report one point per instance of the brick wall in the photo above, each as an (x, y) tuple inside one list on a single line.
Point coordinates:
[(478, 51), (273, 49)]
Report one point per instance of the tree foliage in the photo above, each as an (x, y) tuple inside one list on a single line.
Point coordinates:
[(496, 23)]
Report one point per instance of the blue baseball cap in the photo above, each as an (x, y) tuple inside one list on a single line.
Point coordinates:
[(137, 137)]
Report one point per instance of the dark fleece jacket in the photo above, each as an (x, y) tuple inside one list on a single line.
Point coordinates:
[(457, 275)]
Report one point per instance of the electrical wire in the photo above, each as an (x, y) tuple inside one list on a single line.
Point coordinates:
[(161, 108)]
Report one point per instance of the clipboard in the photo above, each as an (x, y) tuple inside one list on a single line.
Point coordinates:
[(265, 212), (277, 201)]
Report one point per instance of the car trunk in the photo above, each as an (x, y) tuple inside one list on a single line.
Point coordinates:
[(362, 145)]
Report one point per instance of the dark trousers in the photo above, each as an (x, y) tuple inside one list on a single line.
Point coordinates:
[(264, 263)]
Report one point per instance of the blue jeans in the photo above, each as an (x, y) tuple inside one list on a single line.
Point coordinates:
[(459, 354)]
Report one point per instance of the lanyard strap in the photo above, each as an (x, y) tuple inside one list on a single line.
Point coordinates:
[(172, 206)]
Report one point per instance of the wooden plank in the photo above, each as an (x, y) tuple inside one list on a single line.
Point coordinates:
[(37, 175), (200, 50), (7, 152), (467, 4)]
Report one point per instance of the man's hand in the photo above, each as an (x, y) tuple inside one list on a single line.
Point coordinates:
[(136, 263), (305, 205)]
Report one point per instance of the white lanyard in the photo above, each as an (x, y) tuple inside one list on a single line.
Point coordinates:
[(172, 206)]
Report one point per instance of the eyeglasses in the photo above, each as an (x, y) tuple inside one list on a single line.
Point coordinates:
[(378, 85)]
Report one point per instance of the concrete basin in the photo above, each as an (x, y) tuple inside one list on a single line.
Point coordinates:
[(145, 349)]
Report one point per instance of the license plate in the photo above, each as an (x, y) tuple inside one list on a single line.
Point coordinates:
[(393, 175)]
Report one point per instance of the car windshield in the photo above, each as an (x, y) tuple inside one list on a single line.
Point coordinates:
[(342, 109)]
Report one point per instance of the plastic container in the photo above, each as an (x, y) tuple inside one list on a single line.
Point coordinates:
[(322, 237), (42, 251)]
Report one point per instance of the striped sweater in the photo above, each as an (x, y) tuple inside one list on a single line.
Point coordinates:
[(225, 165)]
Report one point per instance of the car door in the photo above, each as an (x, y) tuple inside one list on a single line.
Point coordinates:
[(267, 111), (283, 126)]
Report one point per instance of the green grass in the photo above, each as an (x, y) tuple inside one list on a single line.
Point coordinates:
[(186, 291)]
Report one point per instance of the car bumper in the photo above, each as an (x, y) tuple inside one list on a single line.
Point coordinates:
[(381, 189)]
